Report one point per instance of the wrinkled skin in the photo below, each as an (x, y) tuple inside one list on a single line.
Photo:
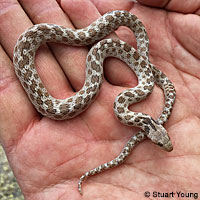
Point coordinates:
[(48, 157)]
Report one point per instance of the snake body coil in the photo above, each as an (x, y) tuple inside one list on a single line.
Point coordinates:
[(138, 61)]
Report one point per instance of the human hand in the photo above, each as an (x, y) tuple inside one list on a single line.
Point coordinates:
[(48, 156)]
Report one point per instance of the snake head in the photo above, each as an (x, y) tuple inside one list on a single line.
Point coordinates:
[(159, 136)]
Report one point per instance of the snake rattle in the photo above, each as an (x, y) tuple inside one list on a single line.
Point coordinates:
[(137, 60)]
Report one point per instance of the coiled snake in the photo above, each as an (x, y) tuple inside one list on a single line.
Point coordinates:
[(137, 60)]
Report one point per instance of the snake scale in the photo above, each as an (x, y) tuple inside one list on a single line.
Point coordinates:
[(137, 60)]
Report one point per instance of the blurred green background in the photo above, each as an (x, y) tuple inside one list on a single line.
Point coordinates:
[(9, 189)]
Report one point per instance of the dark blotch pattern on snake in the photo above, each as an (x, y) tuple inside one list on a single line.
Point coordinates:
[(137, 60)]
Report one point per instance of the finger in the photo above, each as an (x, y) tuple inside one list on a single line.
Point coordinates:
[(104, 6), (173, 5), (82, 14), (155, 3), (10, 29), (16, 112), (123, 33)]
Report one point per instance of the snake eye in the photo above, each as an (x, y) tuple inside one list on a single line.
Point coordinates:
[(160, 144)]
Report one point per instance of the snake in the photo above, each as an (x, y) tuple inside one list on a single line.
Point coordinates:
[(70, 107)]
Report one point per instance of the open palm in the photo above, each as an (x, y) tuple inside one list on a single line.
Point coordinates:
[(48, 156)]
